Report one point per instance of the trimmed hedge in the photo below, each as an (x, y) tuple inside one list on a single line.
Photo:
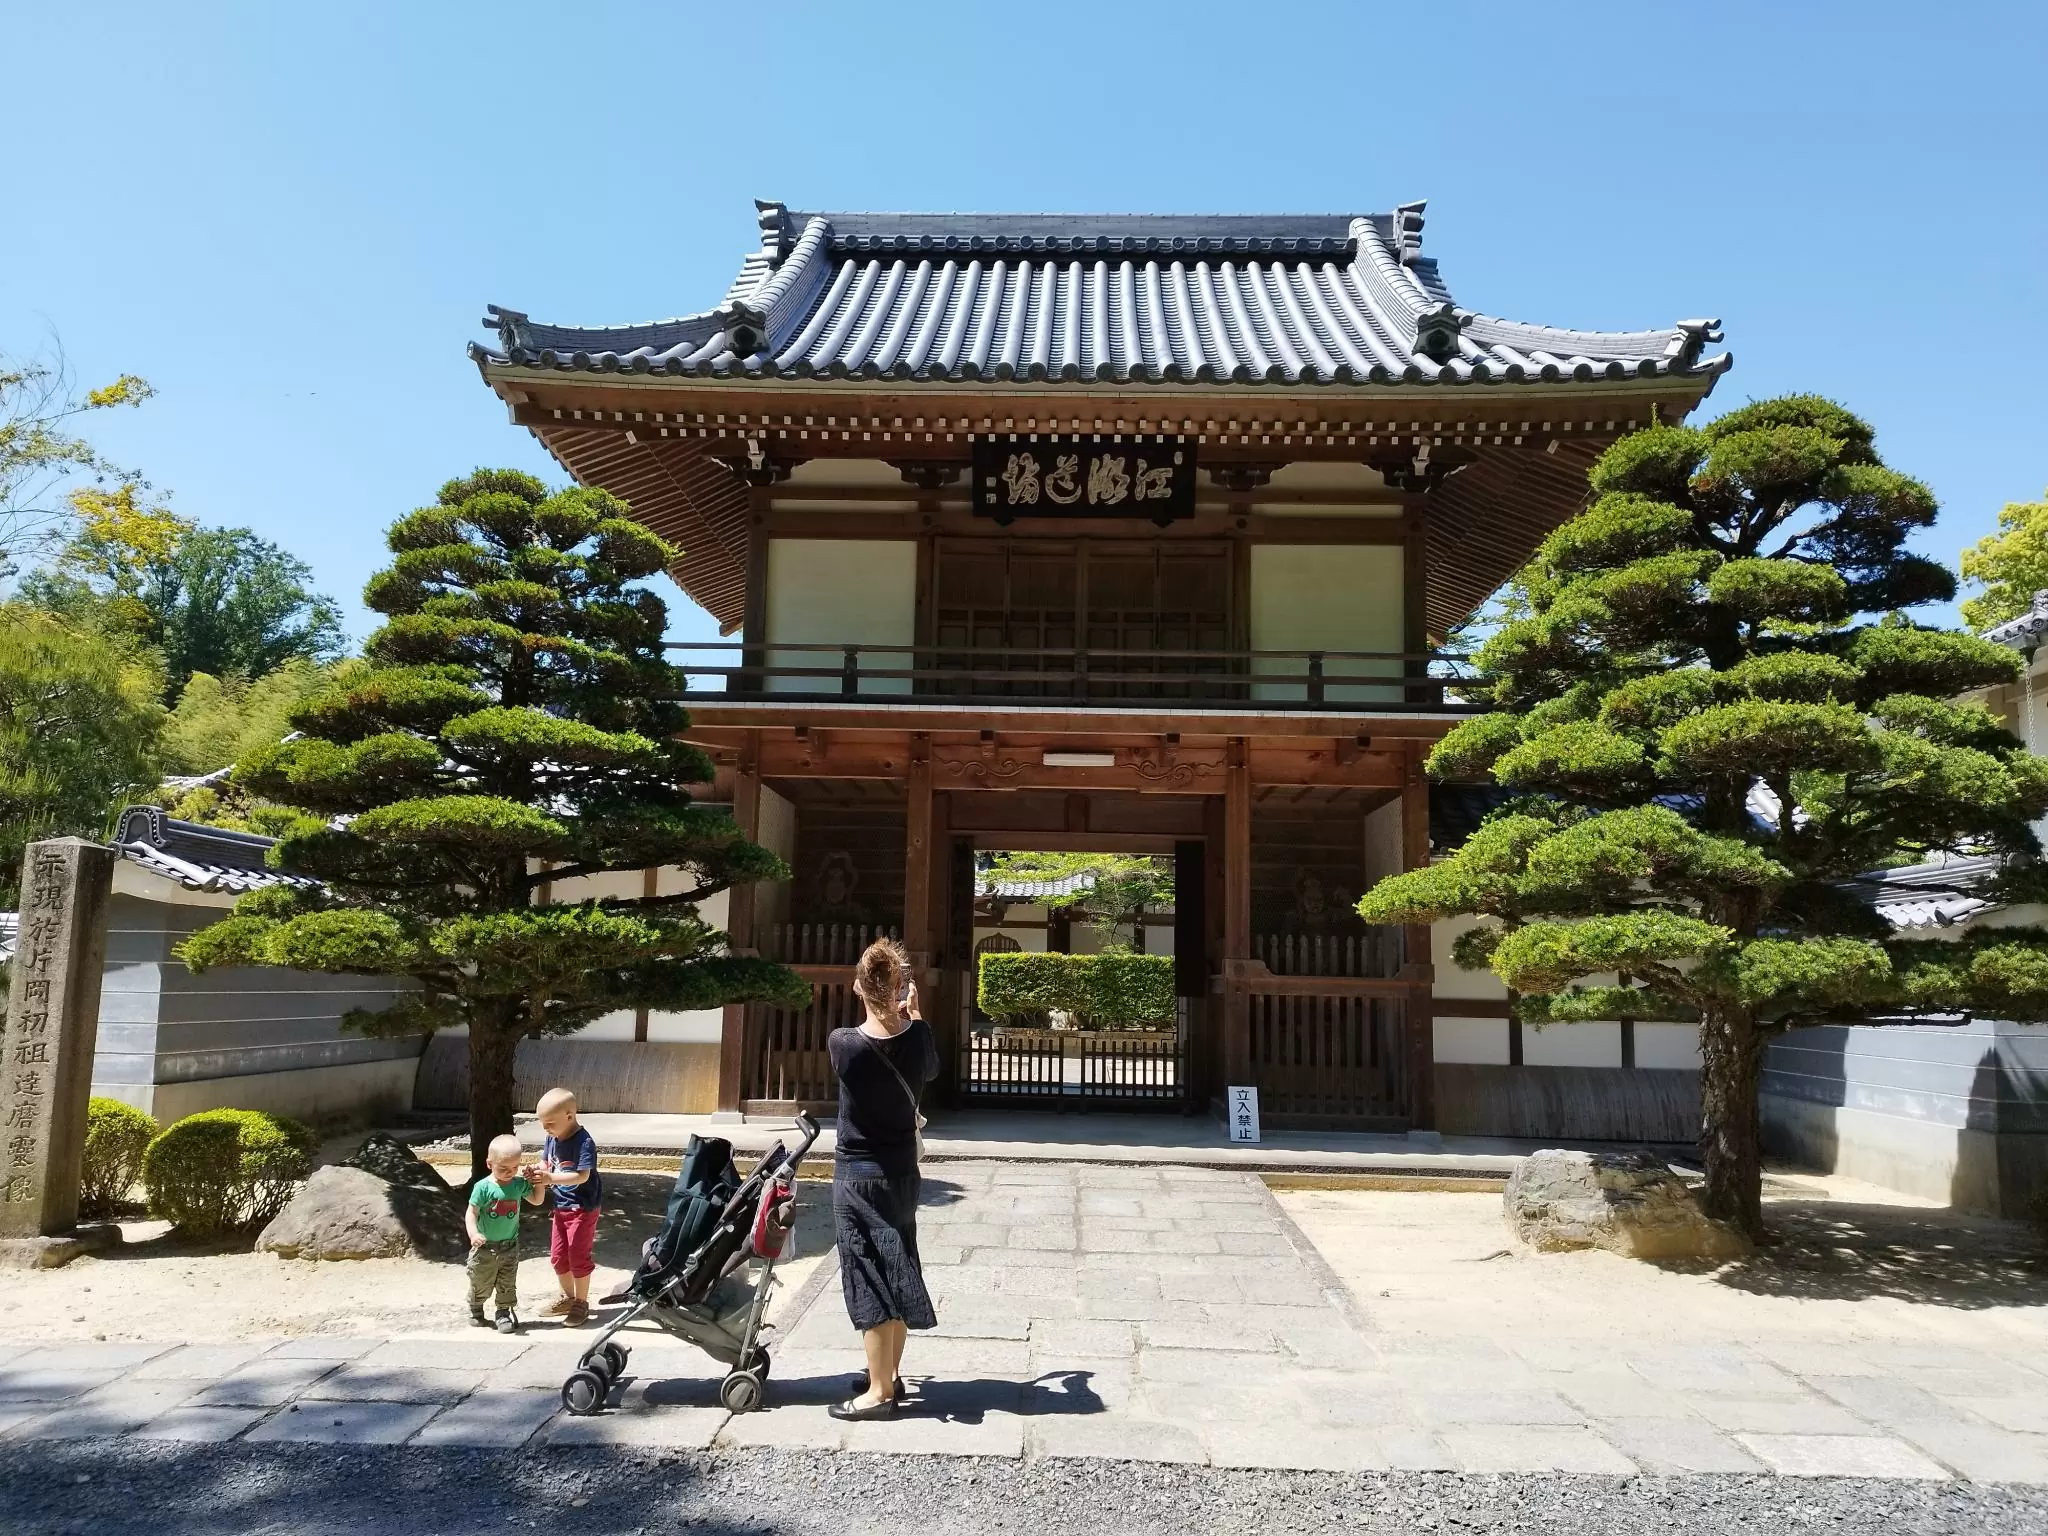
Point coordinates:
[(1109, 990), (116, 1136), (223, 1169)]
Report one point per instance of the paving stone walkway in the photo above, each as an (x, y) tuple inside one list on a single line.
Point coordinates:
[(1158, 1313)]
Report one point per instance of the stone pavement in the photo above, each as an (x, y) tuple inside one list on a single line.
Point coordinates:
[(1161, 1313)]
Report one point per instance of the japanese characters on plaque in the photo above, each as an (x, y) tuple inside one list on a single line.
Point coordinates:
[(1084, 475), (1241, 1105), (25, 1060)]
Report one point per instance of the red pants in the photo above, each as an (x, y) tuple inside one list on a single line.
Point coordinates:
[(569, 1242)]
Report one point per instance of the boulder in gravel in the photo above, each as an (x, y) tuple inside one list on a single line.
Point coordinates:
[(381, 1203), (1629, 1203)]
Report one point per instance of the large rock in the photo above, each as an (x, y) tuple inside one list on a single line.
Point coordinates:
[(381, 1203), (1628, 1203)]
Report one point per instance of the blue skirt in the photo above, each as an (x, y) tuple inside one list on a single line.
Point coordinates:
[(876, 1222)]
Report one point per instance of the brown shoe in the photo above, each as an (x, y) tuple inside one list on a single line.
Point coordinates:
[(577, 1315), (561, 1306)]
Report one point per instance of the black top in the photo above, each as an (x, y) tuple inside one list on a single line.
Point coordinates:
[(877, 1121)]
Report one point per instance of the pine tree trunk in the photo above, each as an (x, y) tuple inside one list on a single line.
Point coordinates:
[(492, 1044), (1731, 1064)]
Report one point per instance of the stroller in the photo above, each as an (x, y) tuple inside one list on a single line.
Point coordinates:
[(691, 1279)]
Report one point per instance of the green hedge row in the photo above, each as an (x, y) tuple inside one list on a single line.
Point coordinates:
[(1117, 988)]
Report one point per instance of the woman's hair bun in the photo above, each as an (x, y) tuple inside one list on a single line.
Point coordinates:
[(878, 976)]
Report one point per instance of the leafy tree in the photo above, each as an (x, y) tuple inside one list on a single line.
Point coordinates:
[(40, 452), (1117, 890), (1709, 743), (218, 720), (78, 731), (215, 600), (2010, 565), (515, 725)]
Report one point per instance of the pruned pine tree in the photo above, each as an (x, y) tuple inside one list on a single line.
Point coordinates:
[(1717, 716), (516, 726)]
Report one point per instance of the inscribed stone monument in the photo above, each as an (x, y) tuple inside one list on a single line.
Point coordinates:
[(53, 1005)]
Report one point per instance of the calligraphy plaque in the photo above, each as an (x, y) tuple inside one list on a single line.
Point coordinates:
[(1084, 475), (46, 1048)]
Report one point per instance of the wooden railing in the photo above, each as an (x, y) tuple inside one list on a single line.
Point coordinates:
[(786, 1064), (1374, 951), (820, 943), (1330, 1051), (955, 674)]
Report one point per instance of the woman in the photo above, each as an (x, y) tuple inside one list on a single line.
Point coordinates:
[(882, 1065)]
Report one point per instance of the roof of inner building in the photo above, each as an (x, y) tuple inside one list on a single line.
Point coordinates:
[(1240, 299)]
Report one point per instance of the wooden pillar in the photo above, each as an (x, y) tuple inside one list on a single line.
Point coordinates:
[(1417, 968), (1415, 604), (919, 936), (739, 927), (1237, 912)]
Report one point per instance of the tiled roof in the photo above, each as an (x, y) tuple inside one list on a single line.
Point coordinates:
[(2025, 632), (201, 858), (1323, 299), (1011, 888), (1939, 893)]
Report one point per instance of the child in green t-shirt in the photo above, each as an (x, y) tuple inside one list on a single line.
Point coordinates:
[(493, 1222)]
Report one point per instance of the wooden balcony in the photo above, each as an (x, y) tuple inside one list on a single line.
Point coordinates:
[(1072, 677)]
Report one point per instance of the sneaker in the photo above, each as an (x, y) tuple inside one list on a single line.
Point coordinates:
[(477, 1318), (508, 1322), (559, 1307), (577, 1315)]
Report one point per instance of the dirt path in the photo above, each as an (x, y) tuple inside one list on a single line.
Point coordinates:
[(154, 1288)]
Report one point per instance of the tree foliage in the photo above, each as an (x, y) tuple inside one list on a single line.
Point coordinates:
[(219, 720), (219, 601), (1117, 890), (515, 725), (41, 454), (2011, 565), (78, 731), (1716, 716)]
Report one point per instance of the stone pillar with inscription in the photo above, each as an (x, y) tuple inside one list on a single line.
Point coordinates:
[(53, 1008)]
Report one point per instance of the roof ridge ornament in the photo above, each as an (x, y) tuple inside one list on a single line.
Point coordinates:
[(509, 324), (1407, 232), (1693, 338)]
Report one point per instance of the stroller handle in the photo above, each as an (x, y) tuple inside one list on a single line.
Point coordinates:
[(809, 1130)]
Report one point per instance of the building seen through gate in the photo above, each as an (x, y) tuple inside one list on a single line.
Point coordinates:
[(1110, 533)]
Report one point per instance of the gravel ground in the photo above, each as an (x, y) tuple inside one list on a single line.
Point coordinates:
[(166, 1490)]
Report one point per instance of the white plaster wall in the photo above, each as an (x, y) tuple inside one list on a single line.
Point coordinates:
[(1452, 980), (1325, 597), (778, 836), (840, 592), (1572, 1045), (1668, 1045), (1479, 1042)]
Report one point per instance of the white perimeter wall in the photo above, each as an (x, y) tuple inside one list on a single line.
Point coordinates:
[(1484, 1041), (840, 592), (1326, 597)]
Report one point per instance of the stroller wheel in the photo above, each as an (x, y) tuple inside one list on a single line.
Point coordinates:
[(759, 1364), (610, 1359), (584, 1393), (741, 1392)]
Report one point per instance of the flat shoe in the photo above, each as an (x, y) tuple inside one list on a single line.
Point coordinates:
[(860, 1385), (854, 1413)]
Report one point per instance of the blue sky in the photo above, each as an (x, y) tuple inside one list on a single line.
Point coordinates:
[(289, 218)]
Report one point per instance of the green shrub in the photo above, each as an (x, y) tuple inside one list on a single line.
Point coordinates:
[(1128, 988), (1114, 989), (225, 1168), (116, 1135)]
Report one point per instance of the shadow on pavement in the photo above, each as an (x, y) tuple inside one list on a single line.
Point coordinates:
[(1833, 1250)]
